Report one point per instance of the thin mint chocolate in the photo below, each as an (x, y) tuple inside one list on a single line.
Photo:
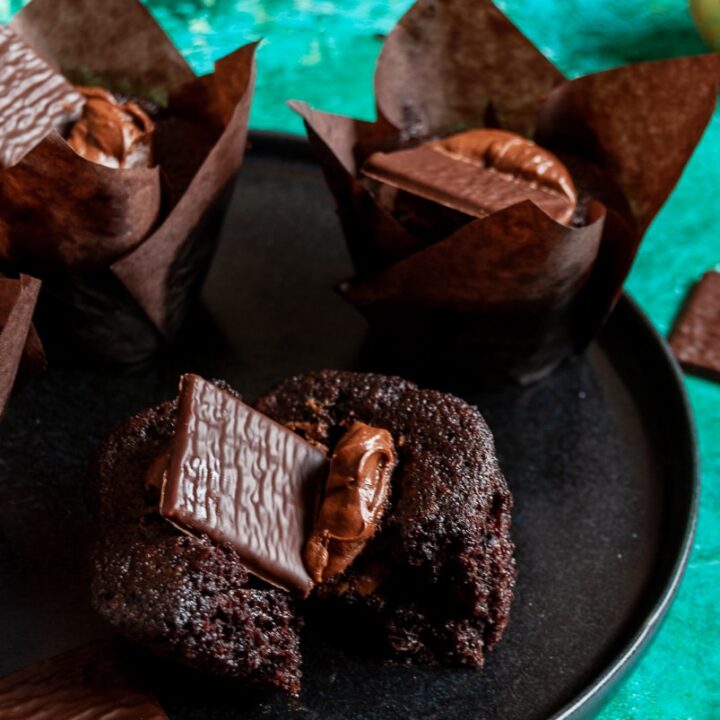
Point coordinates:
[(244, 480), (89, 682), (35, 99), (479, 172), (695, 339)]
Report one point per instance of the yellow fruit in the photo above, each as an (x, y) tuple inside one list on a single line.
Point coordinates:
[(707, 19)]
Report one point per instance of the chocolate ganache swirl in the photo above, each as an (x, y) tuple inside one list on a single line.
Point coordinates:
[(114, 134), (355, 499)]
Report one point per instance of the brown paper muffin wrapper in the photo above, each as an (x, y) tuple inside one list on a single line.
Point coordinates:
[(123, 252), (513, 294), (21, 352)]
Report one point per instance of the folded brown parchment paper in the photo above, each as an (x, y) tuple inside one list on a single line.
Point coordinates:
[(123, 252), (21, 353), (510, 295)]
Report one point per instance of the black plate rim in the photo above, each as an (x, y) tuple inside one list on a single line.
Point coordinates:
[(680, 490), (624, 661), (598, 692)]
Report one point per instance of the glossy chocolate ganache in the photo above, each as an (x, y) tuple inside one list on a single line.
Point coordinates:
[(112, 133), (355, 499), (479, 172)]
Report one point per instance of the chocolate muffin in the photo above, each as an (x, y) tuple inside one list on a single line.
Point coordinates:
[(437, 579), (434, 581), (116, 167), (457, 202), (184, 597)]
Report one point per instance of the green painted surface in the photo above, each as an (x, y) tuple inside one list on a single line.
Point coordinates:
[(324, 51)]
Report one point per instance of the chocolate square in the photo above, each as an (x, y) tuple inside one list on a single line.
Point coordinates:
[(35, 98), (89, 682), (479, 172), (695, 339), (243, 480)]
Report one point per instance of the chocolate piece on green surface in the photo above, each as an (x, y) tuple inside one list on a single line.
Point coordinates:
[(695, 339)]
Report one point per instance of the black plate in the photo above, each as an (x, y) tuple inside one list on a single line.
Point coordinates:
[(600, 458)]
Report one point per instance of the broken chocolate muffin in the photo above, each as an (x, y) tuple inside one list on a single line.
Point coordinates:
[(438, 576), (207, 509), (183, 596)]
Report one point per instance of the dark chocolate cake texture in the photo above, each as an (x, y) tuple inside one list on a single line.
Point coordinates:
[(363, 493)]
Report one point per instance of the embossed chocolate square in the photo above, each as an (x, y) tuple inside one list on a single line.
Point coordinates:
[(695, 339), (243, 480), (116, 164), (92, 681), (494, 208)]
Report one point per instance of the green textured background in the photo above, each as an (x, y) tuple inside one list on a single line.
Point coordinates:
[(324, 52)]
